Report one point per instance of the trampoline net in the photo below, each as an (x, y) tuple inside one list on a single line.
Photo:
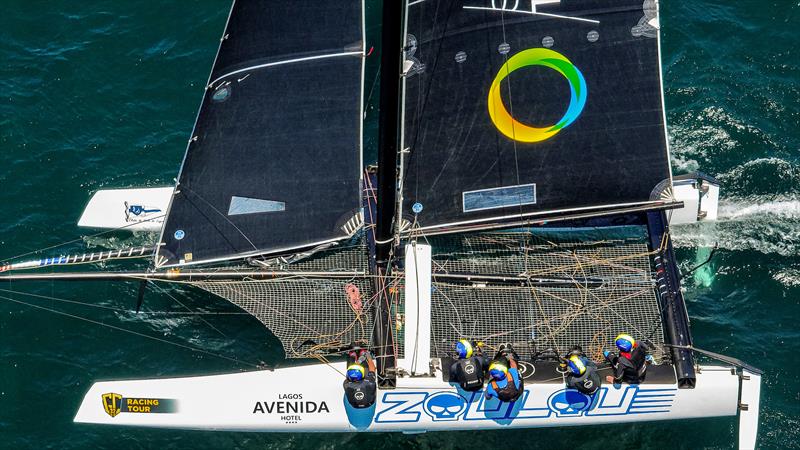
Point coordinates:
[(310, 314), (564, 288)]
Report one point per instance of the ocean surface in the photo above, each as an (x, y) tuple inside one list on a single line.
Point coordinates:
[(100, 94)]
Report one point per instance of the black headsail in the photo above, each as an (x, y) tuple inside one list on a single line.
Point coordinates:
[(274, 161), (534, 108)]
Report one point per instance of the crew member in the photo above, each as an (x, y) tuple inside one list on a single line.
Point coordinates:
[(360, 383), (582, 372), (631, 363), (468, 369), (506, 383)]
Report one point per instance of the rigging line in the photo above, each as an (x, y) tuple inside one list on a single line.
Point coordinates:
[(372, 90), (511, 107), (122, 310), (168, 294), (63, 300), (386, 295), (263, 304), (221, 215), (113, 327), (426, 95), (82, 238), (533, 293)]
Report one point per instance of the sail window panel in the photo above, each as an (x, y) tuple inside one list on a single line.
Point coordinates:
[(274, 167), (584, 118), (499, 197), (263, 31)]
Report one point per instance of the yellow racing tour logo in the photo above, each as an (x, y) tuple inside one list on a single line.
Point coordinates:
[(112, 403), (518, 131)]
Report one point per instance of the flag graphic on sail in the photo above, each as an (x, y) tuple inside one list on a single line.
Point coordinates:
[(274, 161), (530, 108)]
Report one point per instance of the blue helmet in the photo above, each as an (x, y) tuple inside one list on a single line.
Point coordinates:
[(625, 343), (463, 349), (355, 372), (498, 371), (576, 365)]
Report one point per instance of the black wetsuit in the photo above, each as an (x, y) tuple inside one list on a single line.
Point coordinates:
[(361, 394), (589, 382), (630, 369), (468, 373)]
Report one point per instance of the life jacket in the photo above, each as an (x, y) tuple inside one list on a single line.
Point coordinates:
[(469, 374), (588, 383), (633, 365), (509, 393), (361, 394)]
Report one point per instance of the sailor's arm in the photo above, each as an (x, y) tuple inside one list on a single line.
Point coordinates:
[(490, 392), (370, 363)]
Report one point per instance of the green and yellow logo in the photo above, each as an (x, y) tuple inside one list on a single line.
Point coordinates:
[(521, 132)]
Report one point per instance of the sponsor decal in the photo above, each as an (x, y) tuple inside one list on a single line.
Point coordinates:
[(115, 404), (111, 403), (444, 406), (291, 407), (141, 213), (550, 59), (397, 407)]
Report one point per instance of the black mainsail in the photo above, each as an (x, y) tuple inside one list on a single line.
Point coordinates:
[(274, 162), (531, 108)]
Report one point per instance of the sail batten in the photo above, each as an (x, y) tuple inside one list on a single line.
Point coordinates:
[(274, 162), (531, 109)]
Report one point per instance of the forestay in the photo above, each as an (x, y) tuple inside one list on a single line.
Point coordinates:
[(531, 108), (274, 161)]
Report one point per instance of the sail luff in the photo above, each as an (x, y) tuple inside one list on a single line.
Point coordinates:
[(156, 259)]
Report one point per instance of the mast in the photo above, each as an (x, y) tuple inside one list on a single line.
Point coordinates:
[(392, 42), (389, 123)]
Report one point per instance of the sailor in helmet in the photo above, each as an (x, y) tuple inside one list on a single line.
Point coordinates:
[(631, 363), (581, 373), (505, 382), (360, 385), (469, 367)]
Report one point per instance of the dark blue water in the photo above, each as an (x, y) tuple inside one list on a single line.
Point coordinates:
[(98, 94)]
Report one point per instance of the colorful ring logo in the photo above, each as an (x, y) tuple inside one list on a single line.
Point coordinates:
[(518, 131)]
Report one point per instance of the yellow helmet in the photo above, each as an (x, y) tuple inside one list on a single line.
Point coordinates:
[(498, 371), (576, 365), (355, 372), (625, 343), (464, 348)]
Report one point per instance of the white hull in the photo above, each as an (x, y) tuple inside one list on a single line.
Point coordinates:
[(310, 398), (137, 209)]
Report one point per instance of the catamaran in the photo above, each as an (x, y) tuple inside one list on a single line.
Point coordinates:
[(523, 194)]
